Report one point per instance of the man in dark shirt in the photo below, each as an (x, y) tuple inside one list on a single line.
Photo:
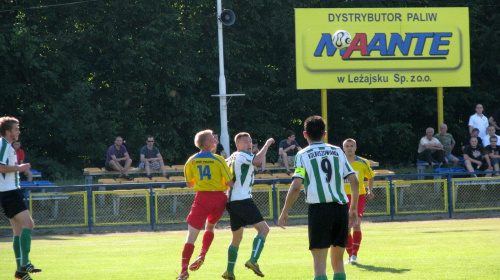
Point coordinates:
[(493, 152), (474, 133), (287, 150), (151, 158), (494, 120), (475, 158)]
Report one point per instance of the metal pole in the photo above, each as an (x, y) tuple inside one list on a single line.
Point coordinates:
[(324, 111), (224, 134), (440, 107)]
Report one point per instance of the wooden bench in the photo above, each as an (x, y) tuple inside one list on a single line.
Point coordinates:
[(422, 165), (90, 172), (48, 197)]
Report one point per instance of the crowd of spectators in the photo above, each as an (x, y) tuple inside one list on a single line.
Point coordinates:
[(479, 150)]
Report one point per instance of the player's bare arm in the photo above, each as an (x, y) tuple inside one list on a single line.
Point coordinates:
[(353, 210), (10, 169), (261, 155), (291, 197)]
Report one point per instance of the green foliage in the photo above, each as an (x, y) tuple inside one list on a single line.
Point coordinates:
[(79, 75)]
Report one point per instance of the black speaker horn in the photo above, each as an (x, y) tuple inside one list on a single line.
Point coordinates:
[(227, 17)]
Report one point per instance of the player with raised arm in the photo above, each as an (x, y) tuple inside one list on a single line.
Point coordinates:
[(322, 168), (210, 176), (12, 198), (363, 170), (242, 209)]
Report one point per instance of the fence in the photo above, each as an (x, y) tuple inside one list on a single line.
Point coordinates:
[(165, 203)]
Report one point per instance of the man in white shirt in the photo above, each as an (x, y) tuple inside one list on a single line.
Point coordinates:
[(430, 149), (479, 121), (490, 131)]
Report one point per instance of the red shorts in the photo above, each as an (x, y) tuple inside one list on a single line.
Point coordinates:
[(207, 205), (361, 204)]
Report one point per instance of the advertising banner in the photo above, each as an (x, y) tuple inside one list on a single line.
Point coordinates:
[(390, 48)]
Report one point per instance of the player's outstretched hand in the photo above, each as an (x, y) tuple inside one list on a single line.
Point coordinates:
[(269, 142), (282, 220)]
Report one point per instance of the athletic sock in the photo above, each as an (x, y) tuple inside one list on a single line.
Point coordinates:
[(321, 277), (348, 247), (232, 255), (17, 251), (25, 245), (208, 237), (356, 242), (339, 276), (258, 245), (186, 255)]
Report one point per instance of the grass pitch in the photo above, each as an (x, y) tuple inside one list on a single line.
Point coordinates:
[(445, 249)]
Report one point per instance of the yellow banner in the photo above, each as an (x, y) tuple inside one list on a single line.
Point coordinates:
[(391, 48)]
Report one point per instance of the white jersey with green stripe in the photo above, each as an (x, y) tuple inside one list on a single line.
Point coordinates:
[(242, 168), (8, 181), (323, 168)]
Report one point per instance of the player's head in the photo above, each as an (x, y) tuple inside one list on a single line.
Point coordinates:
[(9, 128), (205, 140), (243, 141), (349, 146), (314, 128)]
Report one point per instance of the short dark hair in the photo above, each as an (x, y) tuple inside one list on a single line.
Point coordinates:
[(493, 137), (475, 129), (7, 123), (314, 127), (289, 133)]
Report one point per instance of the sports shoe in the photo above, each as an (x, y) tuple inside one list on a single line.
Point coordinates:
[(354, 259), (348, 261), (150, 176), (183, 276), (226, 275), (254, 267), (197, 263), (22, 276), (29, 268)]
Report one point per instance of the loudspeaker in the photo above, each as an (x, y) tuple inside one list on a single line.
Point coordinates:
[(227, 17)]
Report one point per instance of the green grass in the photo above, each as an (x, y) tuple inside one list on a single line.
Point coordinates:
[(445, 249)]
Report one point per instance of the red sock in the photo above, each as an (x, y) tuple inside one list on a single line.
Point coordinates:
[(208, 237), (348, 247), (186, 255), (356, 241)]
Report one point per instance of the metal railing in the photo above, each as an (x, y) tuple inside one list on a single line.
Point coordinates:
[(163, 203)]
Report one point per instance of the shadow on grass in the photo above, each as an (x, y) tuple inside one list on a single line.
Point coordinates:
[(382, 269)]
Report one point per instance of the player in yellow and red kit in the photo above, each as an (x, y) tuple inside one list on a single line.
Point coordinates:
[(363, 170)]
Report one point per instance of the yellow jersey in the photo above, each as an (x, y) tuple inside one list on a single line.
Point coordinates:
[(363, 170), (208, 172)]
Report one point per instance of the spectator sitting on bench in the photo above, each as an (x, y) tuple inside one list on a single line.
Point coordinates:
[(117, 159), (474, 133), (151, 158), (490, 131), (495, 120), (493, 151), (448, 143), (430, 149), (476, 158), (287, 150), (26, 175), (255, 150)]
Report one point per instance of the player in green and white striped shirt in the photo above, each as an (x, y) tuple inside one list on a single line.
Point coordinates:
[(322, 168), (241, 207)]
